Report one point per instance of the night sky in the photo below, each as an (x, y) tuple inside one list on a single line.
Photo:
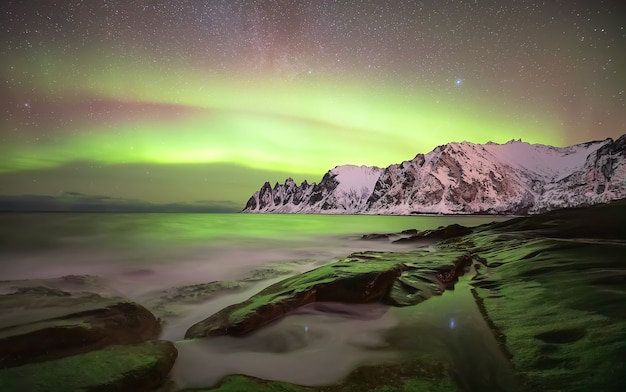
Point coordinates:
[(178, 101)]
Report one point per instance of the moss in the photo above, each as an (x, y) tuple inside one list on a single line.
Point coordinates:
[(550, 287), (239, 383), (559, 318), (361, 277), (105, 369), (421, 386), (399, 377)]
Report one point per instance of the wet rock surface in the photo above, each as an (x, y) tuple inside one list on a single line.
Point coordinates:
[(41, 323), (416, 237), (442, 233), (427, 274), (400, 279), (361, 278), (552, 289), (408, 376), (55, 336), (140, 367)]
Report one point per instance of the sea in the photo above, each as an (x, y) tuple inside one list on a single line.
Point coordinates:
[(188, 248), (142, 255)]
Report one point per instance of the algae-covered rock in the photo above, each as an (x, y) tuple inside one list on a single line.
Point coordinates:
[(376, 236), (40, 323), (410, 376), (551, 288), (428, 274), (553, 291), (136, 368), (602, 221), (442, 233), (416, 236), (396, 278), (358, 279)]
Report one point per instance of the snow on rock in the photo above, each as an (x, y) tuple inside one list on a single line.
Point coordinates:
[(551, 163), (462, 178), (352, 177)]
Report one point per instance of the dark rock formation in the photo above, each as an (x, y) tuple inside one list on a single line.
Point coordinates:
[(56, 335), (361, 278), (553, 292), (60, 323), (131, 368), (430, 274), (397, 278), (442, 233), (415, 375), (551, 288), (376, 236)]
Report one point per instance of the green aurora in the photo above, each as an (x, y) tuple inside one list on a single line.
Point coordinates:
[(107, 101), (270, 124), (303, 127)]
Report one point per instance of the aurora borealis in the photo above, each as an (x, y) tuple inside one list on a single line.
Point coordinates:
[(177, 101)]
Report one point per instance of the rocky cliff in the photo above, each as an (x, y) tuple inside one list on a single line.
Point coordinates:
[(511, 178)]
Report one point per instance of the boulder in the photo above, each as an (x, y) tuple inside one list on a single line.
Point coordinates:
[(376, 236), (442, 233), (430, 274), (394, 278), (41, 323), (133, 368), (363, 277)]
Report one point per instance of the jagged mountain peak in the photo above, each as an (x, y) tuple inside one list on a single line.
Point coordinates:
[(462, 177)]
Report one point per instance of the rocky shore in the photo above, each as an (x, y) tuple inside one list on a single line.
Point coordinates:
[(57, 340), (551, 288)]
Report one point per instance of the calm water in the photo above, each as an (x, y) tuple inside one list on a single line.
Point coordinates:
[(217, 246), (140, 255)]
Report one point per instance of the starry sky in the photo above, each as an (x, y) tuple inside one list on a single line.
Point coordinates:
[(185, 101)]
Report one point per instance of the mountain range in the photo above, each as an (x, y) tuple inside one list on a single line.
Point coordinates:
[(462, 178)]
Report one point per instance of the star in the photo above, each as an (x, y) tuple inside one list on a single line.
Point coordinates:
[(170, 87)]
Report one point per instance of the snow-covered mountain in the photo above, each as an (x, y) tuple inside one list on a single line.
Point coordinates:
[(511, 178)]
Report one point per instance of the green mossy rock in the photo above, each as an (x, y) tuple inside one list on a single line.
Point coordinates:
[(136, 368), (442, 233), (396, 278), (361, 278), (41, 323), (405, 377), (553, 291)]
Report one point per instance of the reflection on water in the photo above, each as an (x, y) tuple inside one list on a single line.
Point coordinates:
[(317, 345), (322, 343), (450, 328)]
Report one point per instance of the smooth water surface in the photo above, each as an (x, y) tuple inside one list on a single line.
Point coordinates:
[(450, 328), (142, 252)]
